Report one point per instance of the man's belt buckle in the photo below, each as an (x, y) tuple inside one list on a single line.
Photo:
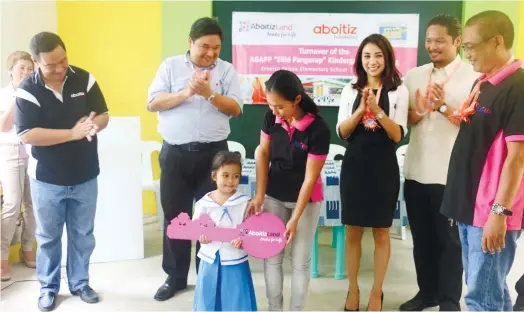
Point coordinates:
[(193, 147)]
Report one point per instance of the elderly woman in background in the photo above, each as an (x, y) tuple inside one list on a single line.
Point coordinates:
[(13, 168)]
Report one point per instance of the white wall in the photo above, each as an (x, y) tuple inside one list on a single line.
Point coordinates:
[(1, 42), (19, 21)]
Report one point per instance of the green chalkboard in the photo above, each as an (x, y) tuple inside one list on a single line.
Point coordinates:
[(246, 129)]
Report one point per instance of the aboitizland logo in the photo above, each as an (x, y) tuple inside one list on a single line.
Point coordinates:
[(245, 26)]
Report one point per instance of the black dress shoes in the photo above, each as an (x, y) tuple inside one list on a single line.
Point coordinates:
[(418, 303), (449, 306), (46, 302), (87, 294), (169, 288)]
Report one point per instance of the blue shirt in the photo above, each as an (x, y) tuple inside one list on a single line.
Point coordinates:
[(195, 119)]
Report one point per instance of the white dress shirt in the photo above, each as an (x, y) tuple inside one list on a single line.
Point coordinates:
[(432, 138), (228, 215), (194, 119)]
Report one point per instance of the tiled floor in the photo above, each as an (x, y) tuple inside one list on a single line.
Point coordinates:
[(130, 285)]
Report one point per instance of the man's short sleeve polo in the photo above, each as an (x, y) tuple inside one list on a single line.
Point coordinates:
[(480, 151), (514, 126), (27, 112), (95, 99), (38, 106), (231, 85), (161, 82)]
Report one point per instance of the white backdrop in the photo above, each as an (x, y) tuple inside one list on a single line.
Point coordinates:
[(119, 230)]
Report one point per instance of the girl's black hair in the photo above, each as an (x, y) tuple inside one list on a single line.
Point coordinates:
[(223, 158), (289, 86), (390, 76)]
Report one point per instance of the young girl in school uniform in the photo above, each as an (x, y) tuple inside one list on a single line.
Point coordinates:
[(224, 281)]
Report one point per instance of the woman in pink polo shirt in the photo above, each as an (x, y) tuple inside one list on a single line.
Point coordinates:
[(295, 140)]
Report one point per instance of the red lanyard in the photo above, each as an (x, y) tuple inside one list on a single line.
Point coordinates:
[(369, 120), (469, 106), (451, 73)]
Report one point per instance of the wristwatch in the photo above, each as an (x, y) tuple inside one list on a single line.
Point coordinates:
[(211, 97), (380, 115), (443, 108), (500, 210)]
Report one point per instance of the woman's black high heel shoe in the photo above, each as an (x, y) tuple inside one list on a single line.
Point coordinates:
[(346, 301)]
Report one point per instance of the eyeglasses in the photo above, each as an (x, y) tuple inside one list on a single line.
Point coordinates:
[(471, 47)]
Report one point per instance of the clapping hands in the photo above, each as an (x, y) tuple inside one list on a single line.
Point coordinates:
[(436, 95), (433, 99), (199, 84), (371, 101), (85, 128)]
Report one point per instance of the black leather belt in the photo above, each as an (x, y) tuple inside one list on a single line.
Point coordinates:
[(199, 146)]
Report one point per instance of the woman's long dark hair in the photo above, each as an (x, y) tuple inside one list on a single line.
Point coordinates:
[(390, 76), (289, 86)]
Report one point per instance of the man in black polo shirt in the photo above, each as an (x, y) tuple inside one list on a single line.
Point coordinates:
[(484, 191), (59, 110)]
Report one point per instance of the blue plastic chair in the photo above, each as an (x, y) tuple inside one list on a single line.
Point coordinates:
[(338, 243)]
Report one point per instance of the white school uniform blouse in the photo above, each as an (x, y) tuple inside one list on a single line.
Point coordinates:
[(398, 106), (229, 215)]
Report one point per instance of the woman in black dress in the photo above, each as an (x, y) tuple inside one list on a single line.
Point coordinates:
[(372, 118)]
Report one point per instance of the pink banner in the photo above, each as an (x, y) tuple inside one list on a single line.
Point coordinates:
[(334, 61)]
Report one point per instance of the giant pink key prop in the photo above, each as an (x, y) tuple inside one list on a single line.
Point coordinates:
[(262, 235)]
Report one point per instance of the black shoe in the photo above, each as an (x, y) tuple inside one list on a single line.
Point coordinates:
[(449, 306), (87, 294), (519, 305), (418, 303), (168, 289), (345, 309), (46, 302)]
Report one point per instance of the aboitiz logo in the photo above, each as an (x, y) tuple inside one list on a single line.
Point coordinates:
[(341, 31)]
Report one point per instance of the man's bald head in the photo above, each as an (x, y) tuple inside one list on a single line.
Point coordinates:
[(494, 23)]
